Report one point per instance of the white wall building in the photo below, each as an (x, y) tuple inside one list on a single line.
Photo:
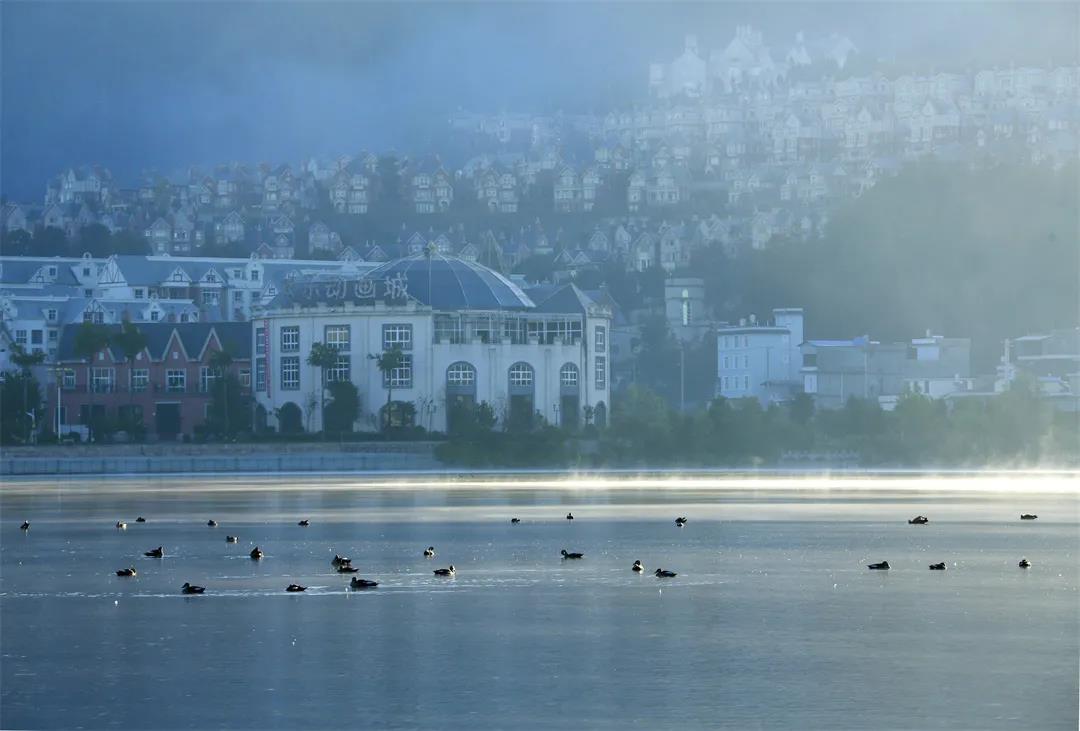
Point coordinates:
[(468, 335), (760, 360)]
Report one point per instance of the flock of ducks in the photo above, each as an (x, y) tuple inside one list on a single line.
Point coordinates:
[(343, 565)]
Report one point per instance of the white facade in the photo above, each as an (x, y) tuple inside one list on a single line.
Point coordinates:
[(760, 361)]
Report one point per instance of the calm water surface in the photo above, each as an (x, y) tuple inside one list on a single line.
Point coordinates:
[(773, 622)]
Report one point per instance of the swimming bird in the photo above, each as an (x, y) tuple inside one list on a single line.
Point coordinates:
[(189, 589), (919, 520), (637, 567), (346, 568), (295, 588), (340, 561), (231, 539), (121, 525), (680, 522), (571, 555), (884, 565), (937, 566), (515, 520), (429, 552), (25, 525), (665, 574), (569, 516), (212, 523), (1024, 563), (140, 519), (305, 523), (446, 572), (1028, 516), (158, 552), (362, 583), (256, 553), (126, 572)]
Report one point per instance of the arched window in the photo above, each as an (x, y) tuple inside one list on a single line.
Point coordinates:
[(600, 415), (521, 376), (461, 374), (568, 376), (522, 383)]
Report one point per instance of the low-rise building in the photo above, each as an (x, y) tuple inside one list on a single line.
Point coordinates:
[(761, 360)]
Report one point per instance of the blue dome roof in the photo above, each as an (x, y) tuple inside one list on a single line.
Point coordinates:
[(449, 283)]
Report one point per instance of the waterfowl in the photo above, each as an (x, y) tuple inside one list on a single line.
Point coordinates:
[(571, 555), (429, 552), (140, 519), (884, 566), (212, 523), (1028, 516), (305, 523), (340, 561), (637, 567), (295, 588), (445, 572), (256, 553), (25, 525), (919, 520), (569, 516), (515, 520), (1024, 563), (362, 583), (680, 522), (937, 566), (231, 539), (346, 569), (121, 525), (665, 574), (189, 589), (158, 552), (126, 572)]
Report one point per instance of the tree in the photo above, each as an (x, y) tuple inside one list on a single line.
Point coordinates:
[(96, 239), (90, 339), (20, 395), (49, 241), (16, 243), (229, 411), (387, 362), (344, 407), (221, 361), (323, 357), (126, 241), (130, 341), (26, 361)]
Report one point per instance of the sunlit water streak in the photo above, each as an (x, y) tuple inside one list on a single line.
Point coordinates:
[(773, 621)]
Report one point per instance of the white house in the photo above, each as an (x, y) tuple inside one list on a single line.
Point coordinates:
[(760, 360)]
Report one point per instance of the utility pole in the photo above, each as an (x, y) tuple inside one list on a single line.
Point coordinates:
[(682, 377)]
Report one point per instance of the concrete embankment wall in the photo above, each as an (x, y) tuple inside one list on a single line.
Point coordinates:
[(409, 456)]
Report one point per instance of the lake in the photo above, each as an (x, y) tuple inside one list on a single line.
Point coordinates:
[(773, 621)]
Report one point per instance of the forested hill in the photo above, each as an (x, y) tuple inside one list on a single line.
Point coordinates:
[(988, 254)]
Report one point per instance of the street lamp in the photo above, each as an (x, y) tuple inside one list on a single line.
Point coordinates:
[(555, 408)]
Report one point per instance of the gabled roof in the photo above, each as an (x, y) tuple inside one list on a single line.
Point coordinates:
[(235, 337)]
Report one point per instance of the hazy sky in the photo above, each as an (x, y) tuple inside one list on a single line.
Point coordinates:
[(163, 85)]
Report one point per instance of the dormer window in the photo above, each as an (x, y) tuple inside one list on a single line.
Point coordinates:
[(51, 315), (154, 315), (86, 271), (52, 271), (254, 275)]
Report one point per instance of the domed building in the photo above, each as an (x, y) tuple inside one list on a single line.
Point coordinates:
[(466, 334)]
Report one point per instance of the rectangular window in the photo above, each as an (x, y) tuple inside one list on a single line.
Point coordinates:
[(400, 377), (337, 337), (237, 296), (207, 377), (140, 293), (449, 329), (245, 377), (399, 335), (69, 379), (37, 337), (254, 275), (20, 337), (52, 336), (601, 373), (260, 375), (102, 379), (601, 339), (140, 379), (211, 297), (154, 316), (290, 339), (260, 341), (290, 374), (176, 381), (341, 370), (746, 381), (51, 314)]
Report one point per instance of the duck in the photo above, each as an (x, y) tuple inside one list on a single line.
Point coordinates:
[(571, 555), (569, 516), (25, 525), (231, 539), (1024, 563), (884, 566), (362, 583), (256, 553), (340, 561), (680, 522), (212, 523), (429, 552), (158, 552), (937, 566), (140, 519), (126, 572), (346, 568), (293, 588), (304, 523), (919, 520), (1028, 516), (515, 520), (190, 589), (121, 525), (446, 572), (637, 567), (665, 574)]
